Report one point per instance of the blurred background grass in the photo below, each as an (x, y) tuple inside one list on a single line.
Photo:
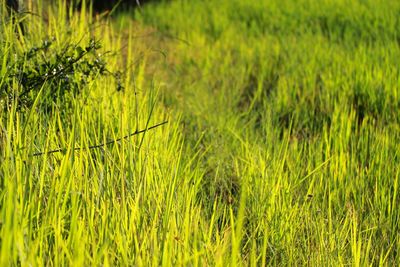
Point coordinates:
[(282, 146)]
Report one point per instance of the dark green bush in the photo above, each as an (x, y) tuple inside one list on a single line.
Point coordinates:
[(58, 71)]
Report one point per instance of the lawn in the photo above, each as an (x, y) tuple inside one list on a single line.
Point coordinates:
[(201, 133)]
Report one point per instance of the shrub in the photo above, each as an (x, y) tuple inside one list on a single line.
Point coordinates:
[(57, 71)]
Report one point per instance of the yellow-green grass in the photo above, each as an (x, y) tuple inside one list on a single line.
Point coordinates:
[(282, 146)]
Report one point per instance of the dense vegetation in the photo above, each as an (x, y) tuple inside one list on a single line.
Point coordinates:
[(282, 144)]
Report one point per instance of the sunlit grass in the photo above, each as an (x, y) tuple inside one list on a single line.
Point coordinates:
[(281, 147)]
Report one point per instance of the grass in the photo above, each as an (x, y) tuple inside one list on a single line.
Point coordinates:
[(281, 148)]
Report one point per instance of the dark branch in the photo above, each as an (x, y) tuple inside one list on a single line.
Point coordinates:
[(99, 145)]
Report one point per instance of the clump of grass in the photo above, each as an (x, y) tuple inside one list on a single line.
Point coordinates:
[(70, 207)]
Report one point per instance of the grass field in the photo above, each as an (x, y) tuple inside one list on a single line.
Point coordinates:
[(276, 136)]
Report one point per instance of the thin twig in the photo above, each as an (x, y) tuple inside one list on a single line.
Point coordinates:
[(100, 145)]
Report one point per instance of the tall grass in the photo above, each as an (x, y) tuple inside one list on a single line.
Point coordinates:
[(281, 147), (92, 206), (296, 104)]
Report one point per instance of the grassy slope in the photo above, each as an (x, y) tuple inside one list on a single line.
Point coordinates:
[(297, 104), (282, 146)]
